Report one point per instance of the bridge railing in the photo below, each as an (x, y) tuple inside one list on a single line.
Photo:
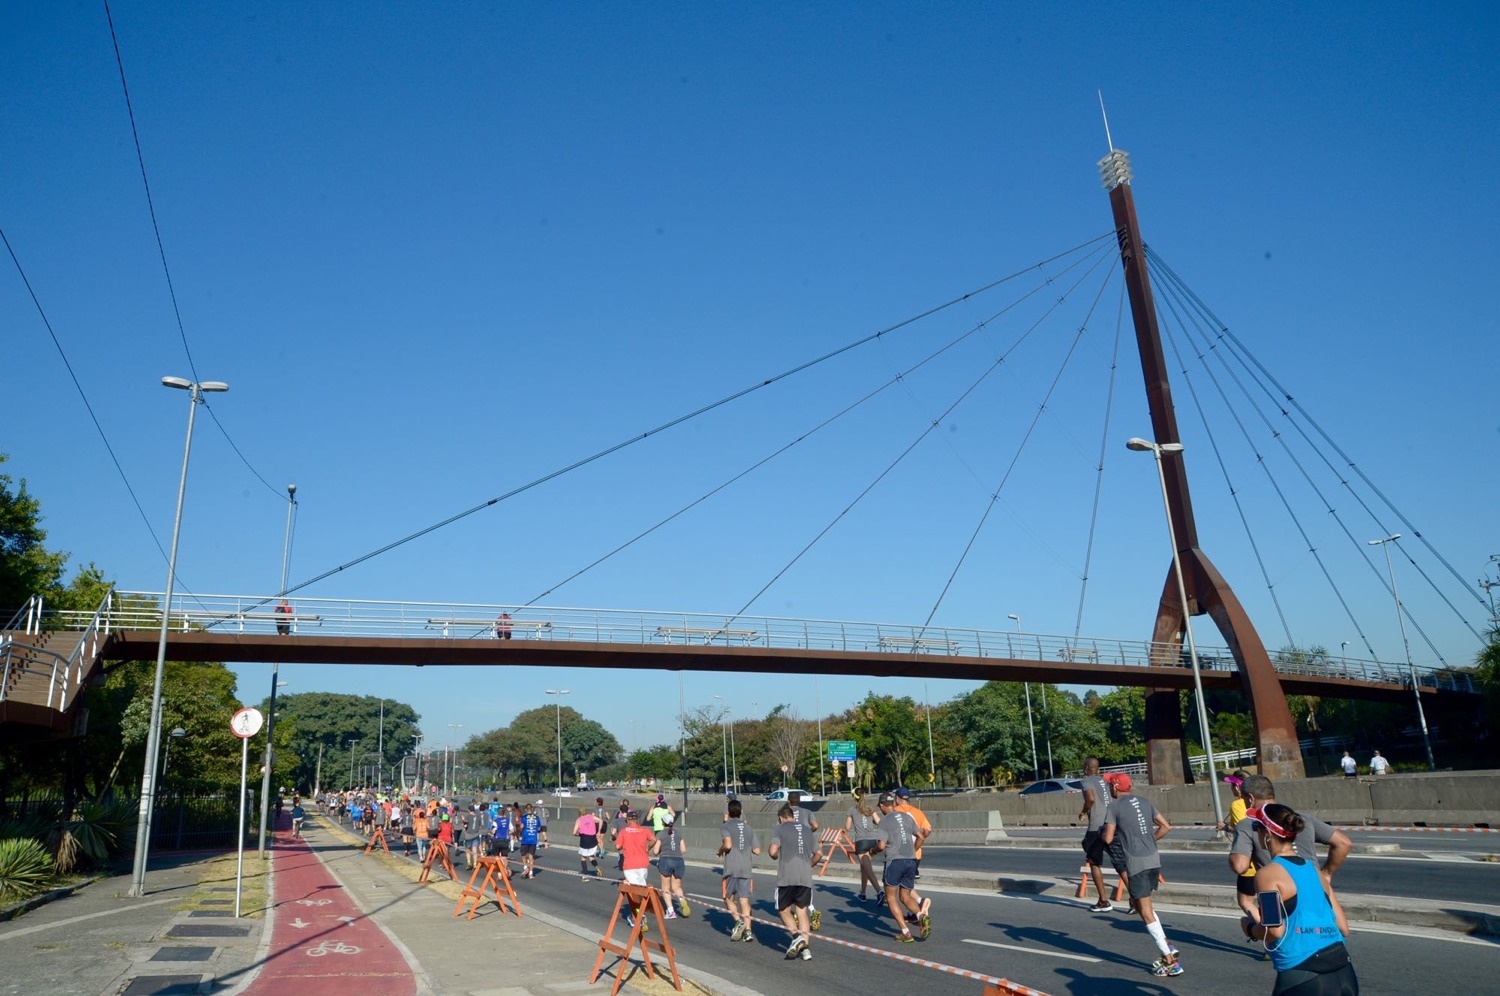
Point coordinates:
[(324, 617)]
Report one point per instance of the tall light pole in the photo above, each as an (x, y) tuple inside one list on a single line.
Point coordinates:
[(559, 692), (455, 727), (1157, 449), (724, 739), (352, 744), (931, 763), (1410, 668), (153, 733), (265, 778), (1036, 767)]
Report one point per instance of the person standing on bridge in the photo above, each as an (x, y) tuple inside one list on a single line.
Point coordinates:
[(1258, 791), (1096, 800), (502, 626), (283, 618), (1137, 825)]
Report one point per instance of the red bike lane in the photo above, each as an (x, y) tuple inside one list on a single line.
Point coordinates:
[(321, 941)]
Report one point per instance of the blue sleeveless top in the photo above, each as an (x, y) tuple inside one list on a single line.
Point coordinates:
[(1310, 926)]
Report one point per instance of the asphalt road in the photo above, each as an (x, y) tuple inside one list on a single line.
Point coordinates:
[(1435, 875), (1049, 943)]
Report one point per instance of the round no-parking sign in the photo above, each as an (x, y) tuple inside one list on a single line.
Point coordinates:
[(246, 723)]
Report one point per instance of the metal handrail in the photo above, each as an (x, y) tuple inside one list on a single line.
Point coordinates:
[(135, 610)]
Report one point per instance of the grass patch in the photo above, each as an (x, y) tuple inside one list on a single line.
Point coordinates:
[(219, 873)]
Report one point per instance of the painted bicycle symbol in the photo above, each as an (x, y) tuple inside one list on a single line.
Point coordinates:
[(337, 947), (314, 902)]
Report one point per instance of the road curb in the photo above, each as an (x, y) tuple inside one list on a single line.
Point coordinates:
[(43, 898)]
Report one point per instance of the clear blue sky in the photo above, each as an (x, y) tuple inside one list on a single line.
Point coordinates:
[(441, 250)]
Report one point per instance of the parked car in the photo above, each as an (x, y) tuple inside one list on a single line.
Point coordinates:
[(562, 793), (1046, 785), (785, 794)]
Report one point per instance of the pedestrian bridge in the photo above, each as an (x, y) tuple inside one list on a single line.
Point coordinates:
[(47, 654)]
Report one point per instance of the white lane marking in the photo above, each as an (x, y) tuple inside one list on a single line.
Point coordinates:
[(1031, 951), (131, 908), (299, 923)]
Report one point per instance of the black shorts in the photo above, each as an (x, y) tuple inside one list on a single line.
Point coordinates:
[(1142, 884), (865, 846), (1244, 885), (799, 896), (1094, 848)]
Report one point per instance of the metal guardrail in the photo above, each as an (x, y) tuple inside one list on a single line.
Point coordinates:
[(65, 674), (328, 617)]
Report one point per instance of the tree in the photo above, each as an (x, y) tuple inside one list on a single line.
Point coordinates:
[(26, 566), (788, 735), (888, 731)]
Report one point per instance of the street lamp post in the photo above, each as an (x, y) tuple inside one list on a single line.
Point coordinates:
[(1406, 643), (1036, 767), (352, 744), (931, 762), (724, 739), (1157, 449), (265, 778), (449, 771), (166, 757), (153, 733), (559, 692)]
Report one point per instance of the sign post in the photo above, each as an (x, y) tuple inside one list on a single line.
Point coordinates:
[(245, 724)]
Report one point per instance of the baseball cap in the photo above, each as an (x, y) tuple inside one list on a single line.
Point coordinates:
[(1121, 782), (903, 792), (886, 799), (632, 815)]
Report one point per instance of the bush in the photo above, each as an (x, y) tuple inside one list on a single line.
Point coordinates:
[(25, 869)]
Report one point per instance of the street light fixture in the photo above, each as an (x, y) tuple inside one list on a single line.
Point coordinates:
[(724, 739), (166, 757), (265, 778), (1157, 449), (559, 692), (153, 734), (1410, 668), (1036, 767)]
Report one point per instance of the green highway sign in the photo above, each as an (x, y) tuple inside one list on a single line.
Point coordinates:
[(841, 750)]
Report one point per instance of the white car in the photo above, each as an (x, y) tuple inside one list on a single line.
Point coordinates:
[(785, 795), (562, 793)]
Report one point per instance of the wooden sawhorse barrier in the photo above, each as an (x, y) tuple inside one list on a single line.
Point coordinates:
[(1118, 892), (436, 849), (641, 900), (832, 840), (378, 834), (496, 874)]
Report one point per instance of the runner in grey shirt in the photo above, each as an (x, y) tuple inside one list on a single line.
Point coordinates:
[(863, 828), (1096, 799), (737, 844), (1258, 791), (1136, 824), (899, 833), (793, 846)]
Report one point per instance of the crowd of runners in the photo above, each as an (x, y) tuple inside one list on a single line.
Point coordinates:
[(1287, 897)]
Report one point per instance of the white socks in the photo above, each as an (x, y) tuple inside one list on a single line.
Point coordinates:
[(1159, 936)]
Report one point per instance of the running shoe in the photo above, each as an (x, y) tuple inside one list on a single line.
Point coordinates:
[(795, 948), (807, 954), (905, 937), (1163, 968), (684, 908), (815, 917), (1101, 907), (926, 922), (749, 933), (925, 909), (671, 913), (738, 934)]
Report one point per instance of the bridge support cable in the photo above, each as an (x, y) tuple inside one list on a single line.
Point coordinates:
[(1175, 294), (1030, 428), (910, 447), (900, 377), (1287, 403), (1104, 449), (697, 412), (1262, 377)]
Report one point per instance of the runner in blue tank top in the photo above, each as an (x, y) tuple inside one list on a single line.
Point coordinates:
[(1307, 948)]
